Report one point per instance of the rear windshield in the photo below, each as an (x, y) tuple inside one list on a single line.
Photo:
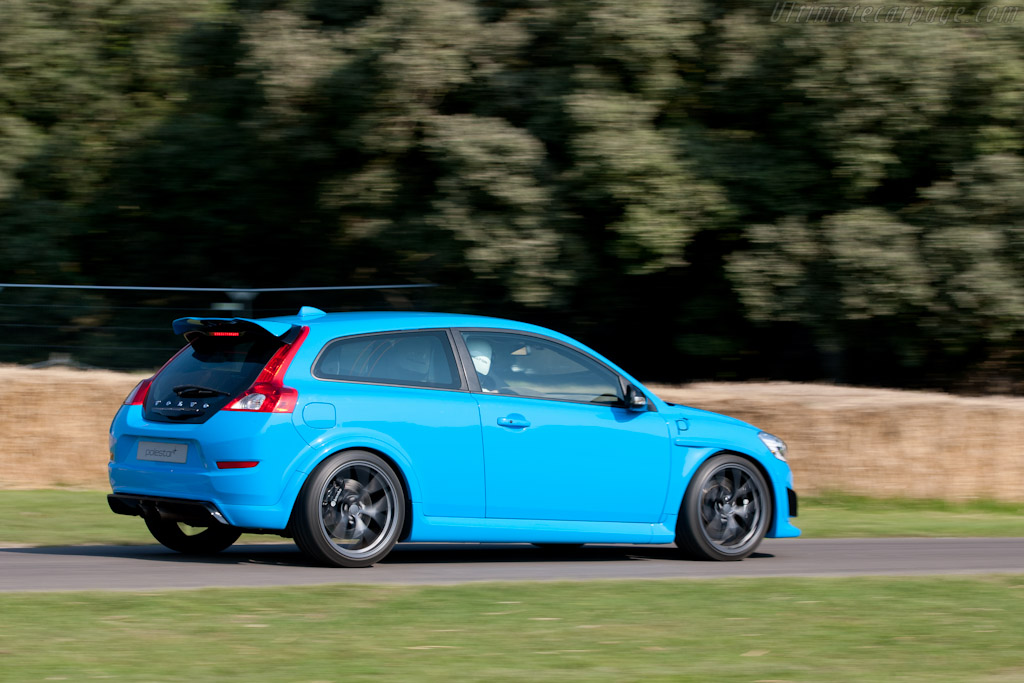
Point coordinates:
[(207, 375)]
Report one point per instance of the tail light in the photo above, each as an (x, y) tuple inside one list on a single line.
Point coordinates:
[(268, 393), (137, 396)]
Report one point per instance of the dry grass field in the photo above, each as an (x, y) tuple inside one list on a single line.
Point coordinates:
[(872, 442)]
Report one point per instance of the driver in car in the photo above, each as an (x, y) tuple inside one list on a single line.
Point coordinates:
[(480, 351)]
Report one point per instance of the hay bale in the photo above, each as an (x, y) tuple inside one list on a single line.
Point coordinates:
[(871, 442), (54, 424)]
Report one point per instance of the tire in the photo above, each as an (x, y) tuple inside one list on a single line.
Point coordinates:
[(350, 511), (711, 525), (192, 540)]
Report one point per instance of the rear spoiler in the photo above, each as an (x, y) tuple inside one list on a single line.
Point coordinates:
[(192, 326)]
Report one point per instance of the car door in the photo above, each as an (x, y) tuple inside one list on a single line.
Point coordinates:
[(559, 443)]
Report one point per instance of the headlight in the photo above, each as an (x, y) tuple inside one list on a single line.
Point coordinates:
[(776, 445)]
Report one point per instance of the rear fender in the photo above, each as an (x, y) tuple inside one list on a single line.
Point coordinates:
[(321, 449)]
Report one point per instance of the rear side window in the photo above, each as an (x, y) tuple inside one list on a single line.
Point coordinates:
[(207, 375), (416, 359)]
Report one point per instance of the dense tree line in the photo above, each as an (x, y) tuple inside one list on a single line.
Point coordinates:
[(703, 189)]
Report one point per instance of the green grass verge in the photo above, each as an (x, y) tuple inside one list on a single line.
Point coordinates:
[(839, 516), (54, 517), (869, 629)]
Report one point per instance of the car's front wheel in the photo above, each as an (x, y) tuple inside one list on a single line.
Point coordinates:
[(725, 511), (192, 540), (350, 511)]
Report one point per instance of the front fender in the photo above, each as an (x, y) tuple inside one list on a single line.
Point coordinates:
[(690, 452)]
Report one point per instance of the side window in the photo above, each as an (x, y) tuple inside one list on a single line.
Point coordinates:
[(519, 365), (417, 359)]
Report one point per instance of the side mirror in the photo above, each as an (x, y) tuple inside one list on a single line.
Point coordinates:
[(635, 399)]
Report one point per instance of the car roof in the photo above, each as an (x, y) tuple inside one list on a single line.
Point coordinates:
[(377, 321)]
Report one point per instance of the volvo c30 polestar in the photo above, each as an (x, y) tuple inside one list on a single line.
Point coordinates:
[(351, 432)]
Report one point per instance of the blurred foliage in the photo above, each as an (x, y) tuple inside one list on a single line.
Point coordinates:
[(731, 195)]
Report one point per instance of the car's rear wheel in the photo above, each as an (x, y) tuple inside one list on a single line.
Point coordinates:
[(192, 540), (350, 511), (725, 511)]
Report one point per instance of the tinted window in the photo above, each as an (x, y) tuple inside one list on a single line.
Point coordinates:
[(209, 373), (419, 359), (519, 365)]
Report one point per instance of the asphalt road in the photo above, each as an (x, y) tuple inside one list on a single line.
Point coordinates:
[(152, 567)]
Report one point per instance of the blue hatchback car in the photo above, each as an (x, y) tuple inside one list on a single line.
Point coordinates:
[(350, 432)]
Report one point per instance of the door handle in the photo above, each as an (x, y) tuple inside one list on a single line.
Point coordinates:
[(513, 421)]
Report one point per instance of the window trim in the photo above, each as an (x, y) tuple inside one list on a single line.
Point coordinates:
[(474, 382), (452, 349)]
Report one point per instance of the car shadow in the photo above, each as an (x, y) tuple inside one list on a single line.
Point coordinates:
[(286, 554)]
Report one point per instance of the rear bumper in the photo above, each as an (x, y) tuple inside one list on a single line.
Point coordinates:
[(194, 512), (258, 497)]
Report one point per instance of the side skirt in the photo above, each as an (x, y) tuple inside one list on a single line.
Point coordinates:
[(487, 530)]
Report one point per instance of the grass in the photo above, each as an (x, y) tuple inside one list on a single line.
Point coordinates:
[(54, 517), (870, 629), (841, 516)]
